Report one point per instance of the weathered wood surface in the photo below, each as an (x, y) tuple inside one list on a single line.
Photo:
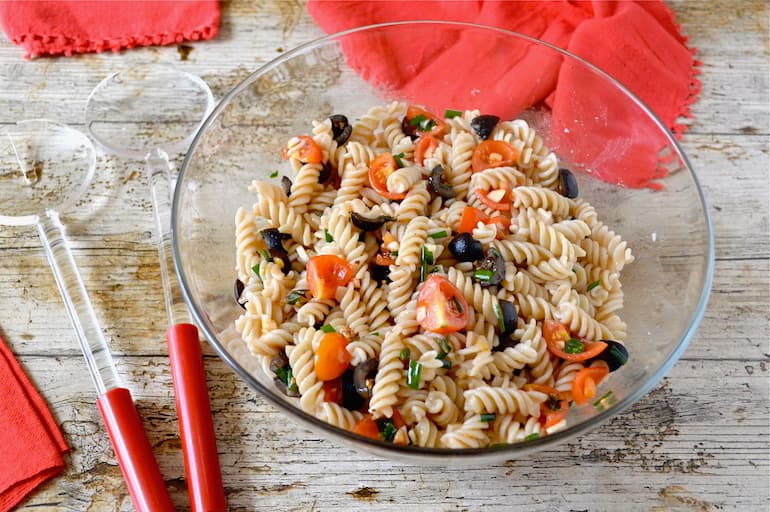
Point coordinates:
[(699, 441)]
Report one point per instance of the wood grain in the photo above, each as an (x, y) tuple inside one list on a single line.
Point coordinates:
[(698, 442)]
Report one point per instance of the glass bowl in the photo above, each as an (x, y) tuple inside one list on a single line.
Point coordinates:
[(609, 132)]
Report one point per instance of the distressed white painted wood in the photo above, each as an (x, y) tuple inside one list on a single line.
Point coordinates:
[(698, 442)]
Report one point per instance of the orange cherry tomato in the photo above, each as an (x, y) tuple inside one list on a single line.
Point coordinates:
[(556, 335), (441, 307), (502, 222), (325, 273), (470, 219), (332, 357), (333, 390), (398, 420), (307, 151), (555, 407), (367, 427), (586, 380), (420, 121), (492, 153), (503, 204), (379, 169), (425, 146)]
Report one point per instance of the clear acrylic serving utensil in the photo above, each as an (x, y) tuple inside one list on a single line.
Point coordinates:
[(45, 167), (146, 113)]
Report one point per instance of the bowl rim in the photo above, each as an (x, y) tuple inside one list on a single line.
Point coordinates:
[(415, 453)]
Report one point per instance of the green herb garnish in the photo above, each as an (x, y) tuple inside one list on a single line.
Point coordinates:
[(426, 258), (439, 234), (387, 429), (446, 363), (328, 236), (488, 417), (413, 374), (404, 354), (328, 328), (274, 174), (483, 275), (574, 346), (286, 375), (500, 319), (255, 269), (532, 436), (457, 304), (296, 297), (443, 343), (422, 122), (397, 158), (599, 404), (593, 285), (450, 114), (265, 255)]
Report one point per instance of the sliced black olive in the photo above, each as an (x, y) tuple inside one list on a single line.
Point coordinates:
[(286, 185), (491, 270), (286, 390), (438, 183), (238, 291), (615, 355), (363, 377), (568, 184), (367, 224), (409, 129), (278, 362), (466, 248), (326, 172), (274, 238), (483, 125), (351, 400), (510, 317), (341, 129), (281, 254), (380, 273)]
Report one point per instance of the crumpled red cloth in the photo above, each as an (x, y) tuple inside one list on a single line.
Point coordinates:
[(638, 43), (31, 444), (64, 27)]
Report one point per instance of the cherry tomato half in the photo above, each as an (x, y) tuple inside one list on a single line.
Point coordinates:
[(555, 407), (379, 169), (586, 380), (332, 357), (470, 219), (419, 121), (367, 427), (556, 335), (503, 203), (307, 151), (333, 390), (441, 307), (425, 146), (492, 153), (325, 273)]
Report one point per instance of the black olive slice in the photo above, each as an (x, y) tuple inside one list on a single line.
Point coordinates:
[(341, 128), (615, 355), (368, 224), (351, 400), (274, 238), (466, 248), (280, 253), (286, 185), (278, 361), (568, 184), (380, 273), (238, 291), (363, 377), (491, 270), (484, 124), (409, 129), (438, 183)]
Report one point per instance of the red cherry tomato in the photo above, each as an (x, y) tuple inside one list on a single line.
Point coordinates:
[(307, 151), (332, 357), (420, 121), (586, 380), (556, 335), (470, 219), (492, 153), (333, 391), (441, 307), (555, 407), (367, 427), (325, 273), (503, 204), (425, 146), (379, 169)]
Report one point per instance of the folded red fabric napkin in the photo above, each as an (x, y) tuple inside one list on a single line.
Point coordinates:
[(64, 27), (31, 444), (637, 43)]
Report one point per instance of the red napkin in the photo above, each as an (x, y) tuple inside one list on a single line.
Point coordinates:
[(638, 43), (31, 444), (48, 27)]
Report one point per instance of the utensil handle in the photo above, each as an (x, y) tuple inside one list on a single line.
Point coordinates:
[(78, 304), (199, 443), (137, 462)]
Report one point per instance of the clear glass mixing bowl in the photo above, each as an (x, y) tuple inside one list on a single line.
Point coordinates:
[(666, 288)]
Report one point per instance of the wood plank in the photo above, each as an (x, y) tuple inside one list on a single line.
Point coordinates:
[(662, 451)]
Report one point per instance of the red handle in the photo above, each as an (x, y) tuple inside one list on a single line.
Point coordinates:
[(199, 443), (137, 462)]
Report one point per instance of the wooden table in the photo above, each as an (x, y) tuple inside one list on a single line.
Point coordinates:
[(698, 442)]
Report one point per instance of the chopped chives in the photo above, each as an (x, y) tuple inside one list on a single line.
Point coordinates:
[(483, 275), (255, 269), (532, 436), (439, 234), (387, 429), (500, 319), (328, 328), (404, 354), (413, 374), (488, 417), (274, 174), (266, 255), (457, 304), (446, 363), (445, 346), (416, 120), (574, 346), (398, 160), (450, 114), (599, 404), (426, 258), (375, 333), (593, 285), (328, 236)]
